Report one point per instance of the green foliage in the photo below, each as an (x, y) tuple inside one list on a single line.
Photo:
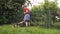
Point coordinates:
[(11, 10), (43, 14)]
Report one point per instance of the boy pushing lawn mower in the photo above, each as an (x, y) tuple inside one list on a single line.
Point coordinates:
[(26, 18)]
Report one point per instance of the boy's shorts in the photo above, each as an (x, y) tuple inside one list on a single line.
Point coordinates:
[(27, 20)]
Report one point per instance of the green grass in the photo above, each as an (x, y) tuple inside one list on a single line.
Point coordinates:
[(8, 29)]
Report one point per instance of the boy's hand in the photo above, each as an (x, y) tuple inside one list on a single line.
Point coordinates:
[(24, 12)]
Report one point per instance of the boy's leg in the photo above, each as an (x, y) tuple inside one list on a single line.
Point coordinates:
[(29, 23), (26, 24)]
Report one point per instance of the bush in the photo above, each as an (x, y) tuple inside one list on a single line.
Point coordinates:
[(11, 11)]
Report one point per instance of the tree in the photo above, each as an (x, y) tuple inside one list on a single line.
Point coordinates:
[(10, 10), (44, 13)]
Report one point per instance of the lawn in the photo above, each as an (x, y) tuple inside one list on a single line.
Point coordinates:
[(8, 29)]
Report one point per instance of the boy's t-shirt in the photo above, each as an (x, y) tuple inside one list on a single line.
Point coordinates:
[(26, 10)]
